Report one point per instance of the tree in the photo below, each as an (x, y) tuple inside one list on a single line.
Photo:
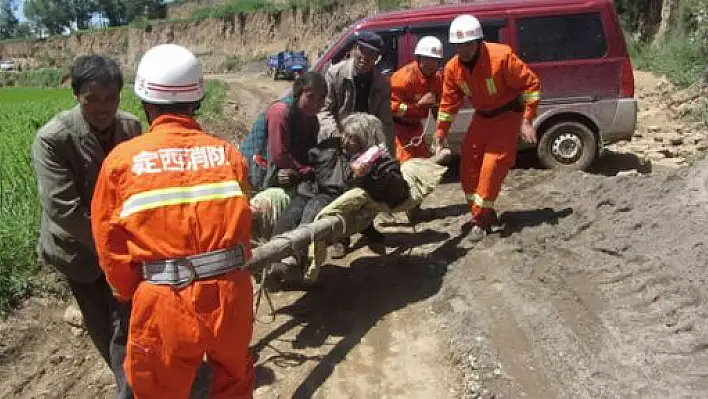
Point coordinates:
[(113, 11), (655, 20), (58, 16), (8, 20), (23, 31), (124, 11), (81, 12), (51, 16)]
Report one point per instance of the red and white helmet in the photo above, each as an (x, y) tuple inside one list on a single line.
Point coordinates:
[(465, 28), (429, 46), (169, 74)]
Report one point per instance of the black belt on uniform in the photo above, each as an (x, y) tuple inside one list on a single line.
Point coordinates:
[(406, 122), (515, 105), (181, 272)]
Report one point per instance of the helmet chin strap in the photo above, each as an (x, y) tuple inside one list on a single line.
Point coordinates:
[(147, 114)]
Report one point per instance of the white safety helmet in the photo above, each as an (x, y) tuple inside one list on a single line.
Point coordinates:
[(429, 46), (465, 28), (169, 74)]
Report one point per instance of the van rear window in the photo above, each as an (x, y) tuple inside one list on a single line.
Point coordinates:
[(561, 38)]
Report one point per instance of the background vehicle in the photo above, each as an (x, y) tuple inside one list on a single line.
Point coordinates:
[(7, 65), (576, 47), (287, 64)]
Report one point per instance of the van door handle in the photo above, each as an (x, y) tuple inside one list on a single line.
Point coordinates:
[(568, 100)]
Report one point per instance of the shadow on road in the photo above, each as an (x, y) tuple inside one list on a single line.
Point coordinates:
[(611, 163), (515, 221), (399, 239), (349, 301)]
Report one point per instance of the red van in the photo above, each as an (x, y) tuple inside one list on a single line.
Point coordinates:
[(575, 46)]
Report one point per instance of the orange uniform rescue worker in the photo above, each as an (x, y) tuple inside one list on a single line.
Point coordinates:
[(415, 89), (505, 94), (172, 229)]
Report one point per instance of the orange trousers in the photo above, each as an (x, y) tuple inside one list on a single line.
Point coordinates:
[(171, 329), (488, 152), (404, 135)]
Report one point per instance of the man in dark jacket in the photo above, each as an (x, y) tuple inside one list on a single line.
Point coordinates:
[(66, 155), (355, 85)]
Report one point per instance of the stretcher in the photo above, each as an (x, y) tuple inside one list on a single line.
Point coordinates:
[(348, 214)]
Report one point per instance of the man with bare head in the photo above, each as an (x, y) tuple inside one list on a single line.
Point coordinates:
[(67, 155)]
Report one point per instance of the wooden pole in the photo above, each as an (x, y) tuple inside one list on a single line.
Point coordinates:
[(283, 245)]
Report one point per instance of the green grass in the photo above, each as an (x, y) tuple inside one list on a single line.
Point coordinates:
[(682, 55), (231, 63), (389, 5), (232, 8), (681, 60), (45, 77), (24, 110)]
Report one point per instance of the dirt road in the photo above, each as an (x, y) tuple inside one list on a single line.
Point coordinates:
[(593, 288)]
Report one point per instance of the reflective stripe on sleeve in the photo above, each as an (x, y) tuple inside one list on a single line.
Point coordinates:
[(445, 117)]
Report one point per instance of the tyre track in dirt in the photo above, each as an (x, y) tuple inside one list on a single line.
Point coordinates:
[(596, 288)]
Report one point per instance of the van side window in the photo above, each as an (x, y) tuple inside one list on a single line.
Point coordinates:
[(442, 32), (561, 38), (389, 58)]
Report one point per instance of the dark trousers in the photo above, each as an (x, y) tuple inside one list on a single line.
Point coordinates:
[(301, 210), (106, 321)]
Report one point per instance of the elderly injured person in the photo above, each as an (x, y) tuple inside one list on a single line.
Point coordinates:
[(356, 159)]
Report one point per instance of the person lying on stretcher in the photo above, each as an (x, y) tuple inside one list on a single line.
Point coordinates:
[(356, 159)]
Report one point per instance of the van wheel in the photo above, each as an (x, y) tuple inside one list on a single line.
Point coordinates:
[(567, 145)]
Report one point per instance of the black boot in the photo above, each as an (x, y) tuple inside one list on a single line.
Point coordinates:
[(373, 235), (340, 248)]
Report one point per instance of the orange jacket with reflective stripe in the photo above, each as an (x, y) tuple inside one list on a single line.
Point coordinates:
[(408, 85), (497, 78), (175, 191)]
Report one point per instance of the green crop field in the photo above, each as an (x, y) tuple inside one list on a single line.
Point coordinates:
[(22, 112)]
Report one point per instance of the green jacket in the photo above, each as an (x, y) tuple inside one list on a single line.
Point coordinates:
[(66, 157)]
